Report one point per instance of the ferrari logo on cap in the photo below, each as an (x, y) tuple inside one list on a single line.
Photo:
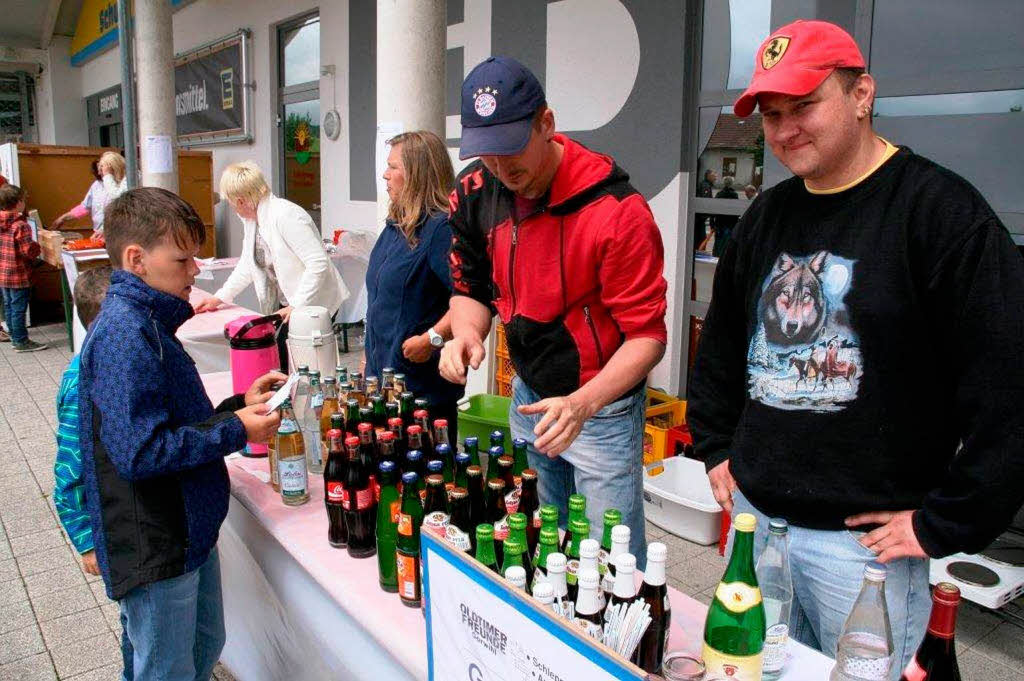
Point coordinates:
[(773, 51)]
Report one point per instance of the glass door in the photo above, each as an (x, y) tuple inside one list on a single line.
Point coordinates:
[(299, 112)]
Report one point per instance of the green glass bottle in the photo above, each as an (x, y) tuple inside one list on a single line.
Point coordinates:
[(611, 517), (513, 555), (519, 455), (462, 464), (548, 544), (577, 511), (548, 520), (485, 547), (517, 532), (580, 530), (388, 509), (734, 630), (352, 416), (471, 445), (407, 549)]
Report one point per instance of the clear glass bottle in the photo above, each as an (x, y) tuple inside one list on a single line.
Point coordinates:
[(316, 443), (291, 459), (300, 393), (776, 581), (865, 646)]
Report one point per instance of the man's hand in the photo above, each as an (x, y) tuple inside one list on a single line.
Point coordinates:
[(209, 305), (562, 422), (262, 389), (417, 348), (260, 426), (722, 485), (894, 539), (286, 313), (459, 353), (89, 564)]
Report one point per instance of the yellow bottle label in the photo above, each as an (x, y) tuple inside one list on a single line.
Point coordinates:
[(738, 596), (732, 667)]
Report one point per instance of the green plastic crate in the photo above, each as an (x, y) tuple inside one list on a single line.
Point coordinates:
[(485, 413)]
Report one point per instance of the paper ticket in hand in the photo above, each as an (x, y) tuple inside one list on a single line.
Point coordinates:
[(283, 393)]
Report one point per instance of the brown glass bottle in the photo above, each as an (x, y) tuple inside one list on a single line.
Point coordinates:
[(529, 505), (497, 515), (335, 473), (360, 505)]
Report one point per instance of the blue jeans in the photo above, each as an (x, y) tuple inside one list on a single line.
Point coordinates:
[(828, 570), (15, 306), (604, 464), (176, 625)]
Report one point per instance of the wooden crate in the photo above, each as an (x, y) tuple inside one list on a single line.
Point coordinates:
[(51, 242)]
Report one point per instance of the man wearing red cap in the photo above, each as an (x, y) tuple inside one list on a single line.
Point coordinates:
[(867, 321)]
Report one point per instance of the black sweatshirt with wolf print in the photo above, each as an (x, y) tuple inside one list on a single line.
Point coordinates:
[(854, 342)]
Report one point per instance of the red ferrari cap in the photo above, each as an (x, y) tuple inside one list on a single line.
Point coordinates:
[(796, 59)]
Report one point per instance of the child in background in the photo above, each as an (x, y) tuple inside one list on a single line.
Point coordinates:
[(153, 446), (17, 251)]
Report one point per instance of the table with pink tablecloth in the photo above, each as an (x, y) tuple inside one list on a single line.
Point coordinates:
[(297, 608), (203, 335)]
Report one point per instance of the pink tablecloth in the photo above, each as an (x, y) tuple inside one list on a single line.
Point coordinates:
[(302, 531)]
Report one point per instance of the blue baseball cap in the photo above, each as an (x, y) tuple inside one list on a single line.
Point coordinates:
[(499, 98)]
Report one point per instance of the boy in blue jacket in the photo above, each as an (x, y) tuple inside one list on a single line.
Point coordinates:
[(152, 444)]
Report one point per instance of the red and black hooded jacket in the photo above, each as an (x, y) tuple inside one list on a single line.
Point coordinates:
[(573, 280)]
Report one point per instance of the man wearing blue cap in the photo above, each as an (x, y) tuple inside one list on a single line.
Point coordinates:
[(552, 237)]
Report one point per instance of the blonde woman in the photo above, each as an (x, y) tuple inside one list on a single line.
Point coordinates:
[(111, 181), (282, 252), (408, 283)]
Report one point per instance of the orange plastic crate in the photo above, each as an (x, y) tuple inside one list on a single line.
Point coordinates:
[(664, 411)]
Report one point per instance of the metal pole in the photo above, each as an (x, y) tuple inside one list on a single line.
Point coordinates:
[(124, 39)]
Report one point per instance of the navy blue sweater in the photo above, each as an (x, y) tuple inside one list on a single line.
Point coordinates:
[(152, 445), (408, 290)]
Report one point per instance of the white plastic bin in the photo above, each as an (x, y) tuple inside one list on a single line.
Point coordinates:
[(680, 501)]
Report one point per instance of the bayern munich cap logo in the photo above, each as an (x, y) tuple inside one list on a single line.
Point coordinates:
[(484, 101), (774, 51)]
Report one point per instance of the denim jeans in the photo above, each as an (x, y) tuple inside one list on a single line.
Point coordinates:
[(828, 570), (176, 625), (15, 306), (604, 464)]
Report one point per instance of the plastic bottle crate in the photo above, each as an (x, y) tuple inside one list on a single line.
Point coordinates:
[(479, 415), (663, 412)]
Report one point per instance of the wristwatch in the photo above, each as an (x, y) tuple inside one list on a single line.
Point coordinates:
[(436, 339)]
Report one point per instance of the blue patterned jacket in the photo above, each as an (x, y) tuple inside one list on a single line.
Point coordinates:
[(152, 445)]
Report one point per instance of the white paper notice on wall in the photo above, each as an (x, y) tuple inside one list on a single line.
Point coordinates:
[(385, 131), (479, 628), (157, 154)]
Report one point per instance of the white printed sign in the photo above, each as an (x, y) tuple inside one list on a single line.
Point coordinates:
[(480, 628)]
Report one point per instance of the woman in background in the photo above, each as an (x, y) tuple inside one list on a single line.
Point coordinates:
[(408, 283), (111, 181)]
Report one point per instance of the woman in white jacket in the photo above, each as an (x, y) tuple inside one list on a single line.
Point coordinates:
[(282, 252)]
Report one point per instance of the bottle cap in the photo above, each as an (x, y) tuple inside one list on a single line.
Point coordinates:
[(440, 423), (548, 512), (414, 429), (364, 427), (495, 434), (471, 442), (548, 535), (303, 368), (352, 403), (517, 521), (778, 526), (543, 590), (388, 370), (556, 562), (577, 502), (420, 414), (443, 449), (580, 527), (529, 474), (589, 548), (435, 466), (394, 421), (386, 466), (875, 571), (516, 576), (588, 578), (351, 441), (512, 546), (410, 478), (435, 479), (314, 372), (519, 442), (947, 593), (744, 522), (413, 455), (386, 436), (620, 534), (484, 531), (613, 517), (474, 471), (497, 484), (458, 493), (462, 457), (327, 379), (657, 552), (506, 460), (407, 395), (334, 434), (625, 561), (496, 452)]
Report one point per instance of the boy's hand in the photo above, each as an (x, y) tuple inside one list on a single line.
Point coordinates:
[(209, 305), (259, 425), (89, 563), (262, 389)]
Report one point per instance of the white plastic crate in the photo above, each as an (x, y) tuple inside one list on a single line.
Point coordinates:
[(680, 501)]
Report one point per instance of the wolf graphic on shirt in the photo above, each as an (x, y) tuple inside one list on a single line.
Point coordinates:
[(804, 354)]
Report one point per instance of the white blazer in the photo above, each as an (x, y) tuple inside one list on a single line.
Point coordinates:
[(304, 272)]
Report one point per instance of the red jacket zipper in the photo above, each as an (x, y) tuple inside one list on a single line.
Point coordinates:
[(593, 332)]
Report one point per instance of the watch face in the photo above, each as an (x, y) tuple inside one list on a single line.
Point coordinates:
[(437, 341)]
